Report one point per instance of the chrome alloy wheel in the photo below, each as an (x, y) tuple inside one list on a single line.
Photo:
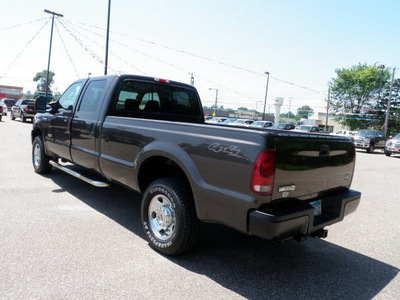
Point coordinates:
[(36, 155), (161, 217)]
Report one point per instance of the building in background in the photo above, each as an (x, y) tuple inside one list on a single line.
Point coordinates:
[(13, 92)]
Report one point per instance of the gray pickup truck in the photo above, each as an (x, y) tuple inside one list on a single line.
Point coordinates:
[(149, 135)]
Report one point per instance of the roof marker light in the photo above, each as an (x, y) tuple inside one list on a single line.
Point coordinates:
[(161, 80)]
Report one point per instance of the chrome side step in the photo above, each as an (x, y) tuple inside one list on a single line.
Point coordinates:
[(78, 175)]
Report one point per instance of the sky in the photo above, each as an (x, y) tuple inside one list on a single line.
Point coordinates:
[(227, 44)]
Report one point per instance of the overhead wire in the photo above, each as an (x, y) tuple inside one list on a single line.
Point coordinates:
[(21, 24), (207, 59), (66, 50), (24, 48)]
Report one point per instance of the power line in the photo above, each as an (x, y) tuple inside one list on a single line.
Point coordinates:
[(23, 49), (207, 59)]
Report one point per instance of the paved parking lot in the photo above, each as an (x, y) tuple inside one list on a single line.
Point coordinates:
[(61, 238)]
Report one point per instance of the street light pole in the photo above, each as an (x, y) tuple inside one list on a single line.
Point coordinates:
[(51, 41), (216, 99), (107, 38), (266, 92)]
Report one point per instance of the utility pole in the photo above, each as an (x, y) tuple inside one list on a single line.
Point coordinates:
[(51, 40), (107, 38), (266, 92), (216, 100), (327, 109), (388, 105), (290, 102)]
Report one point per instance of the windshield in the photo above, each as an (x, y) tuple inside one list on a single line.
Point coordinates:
[(258, 123), (366, 133), (301, 127), (28, 102), (238, 121), (280, 126)]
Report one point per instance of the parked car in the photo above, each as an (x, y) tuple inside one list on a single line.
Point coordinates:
[(369, 140), (242, 122), (262, 124), (216, 120), (23, 109), (308, 128), (9, 102), (207, 118), (286, 126), (346, 133), (392, 146), (229, 120), (4, 109)]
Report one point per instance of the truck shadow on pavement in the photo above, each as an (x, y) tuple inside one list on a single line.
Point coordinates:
[(251, 267)]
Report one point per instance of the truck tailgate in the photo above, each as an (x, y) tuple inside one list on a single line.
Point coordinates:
[(311, 165)]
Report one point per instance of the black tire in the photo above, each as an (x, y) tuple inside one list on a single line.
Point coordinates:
[(370, 148), (12, 116), (40, 160), (169, 216), (23, 119), (388, 153), (1, 116)]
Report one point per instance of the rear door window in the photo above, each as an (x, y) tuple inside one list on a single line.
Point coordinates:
[(156, 101)]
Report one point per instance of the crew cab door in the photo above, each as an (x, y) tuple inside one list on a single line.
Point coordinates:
[(380, 140), (84, 127), (57, 135)]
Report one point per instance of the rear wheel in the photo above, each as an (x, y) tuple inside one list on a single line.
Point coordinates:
[(40, 160), (388, 153), (169, 216), (12, 116), (23, 119)]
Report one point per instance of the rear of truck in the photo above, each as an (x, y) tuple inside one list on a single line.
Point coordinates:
[(306, 180)]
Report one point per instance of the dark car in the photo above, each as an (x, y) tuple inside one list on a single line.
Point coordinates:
[(285, 126), (1, 112), (308, 128), (393, 145), (23, 109), (369, 140), (9, 102)]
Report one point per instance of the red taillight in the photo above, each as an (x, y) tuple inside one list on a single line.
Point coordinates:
[(161, 80), (26, 109), (262, 180)]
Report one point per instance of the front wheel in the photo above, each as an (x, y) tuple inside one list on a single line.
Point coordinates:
[(387, 153), (169, 217), (40, 160), (370, 148), (12, 116)]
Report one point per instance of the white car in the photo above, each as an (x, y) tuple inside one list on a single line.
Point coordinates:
[(5, 110), (262, 124), (242, 122)]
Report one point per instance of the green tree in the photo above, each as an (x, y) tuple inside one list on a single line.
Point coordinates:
[(303, 111), (40, 78), (242, 108), (355, 92)]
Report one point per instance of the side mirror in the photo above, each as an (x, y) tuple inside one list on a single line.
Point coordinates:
[(40, 104)]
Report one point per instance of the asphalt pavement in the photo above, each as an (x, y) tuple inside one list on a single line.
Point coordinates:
[(61, 238)]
